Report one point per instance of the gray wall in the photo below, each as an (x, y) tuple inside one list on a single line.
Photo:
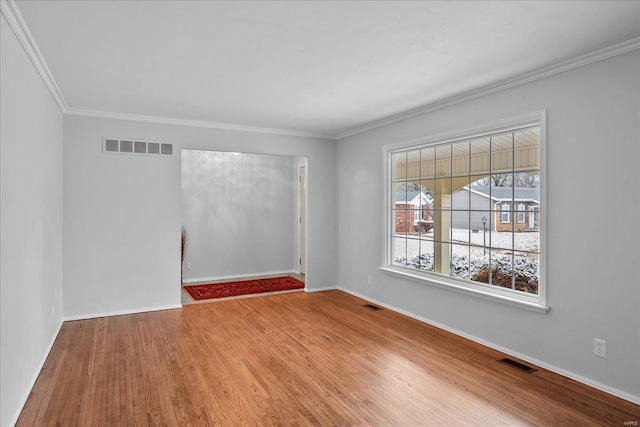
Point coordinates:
[(30, 223), (592, 273), (240, 212), (122, 213)]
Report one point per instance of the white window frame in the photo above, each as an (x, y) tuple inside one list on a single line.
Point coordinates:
[(536, 303), (520, 217), (505, 212)]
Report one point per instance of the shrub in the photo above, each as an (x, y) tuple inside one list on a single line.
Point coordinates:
[(525, 270)]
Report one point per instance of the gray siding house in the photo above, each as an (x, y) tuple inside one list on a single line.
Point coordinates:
[(521, 207)]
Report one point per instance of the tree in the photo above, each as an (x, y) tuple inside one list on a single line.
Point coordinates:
[(518, 179)]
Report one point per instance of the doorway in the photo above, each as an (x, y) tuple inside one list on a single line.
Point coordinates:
[(245, 216)]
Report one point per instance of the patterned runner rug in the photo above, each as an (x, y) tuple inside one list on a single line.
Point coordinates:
[(244, 287)]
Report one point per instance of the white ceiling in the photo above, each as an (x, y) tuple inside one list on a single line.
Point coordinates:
[(319, 67)]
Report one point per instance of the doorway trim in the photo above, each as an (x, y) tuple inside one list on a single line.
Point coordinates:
[(302, 219)]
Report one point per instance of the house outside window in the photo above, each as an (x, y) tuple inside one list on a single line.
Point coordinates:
[(475, 186)]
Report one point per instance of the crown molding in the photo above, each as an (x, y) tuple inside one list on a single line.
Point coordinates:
[(16, 22), (192, 123), (10, 10), (599, 55)]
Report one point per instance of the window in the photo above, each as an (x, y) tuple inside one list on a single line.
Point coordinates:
[(471, 184), (520, 213), (505, 214)]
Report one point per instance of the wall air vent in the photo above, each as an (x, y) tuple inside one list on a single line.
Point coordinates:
[(135, 147)]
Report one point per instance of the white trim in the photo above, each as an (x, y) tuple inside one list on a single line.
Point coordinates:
[(121, 312), (23, 401), (579, 378), (598, 55), (501, 295), (239, 276), (16, 22), (327, 288), (192, 123), (542, 229)]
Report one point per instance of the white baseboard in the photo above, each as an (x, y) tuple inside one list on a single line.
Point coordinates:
[(238, 276), (589, 382), (23, 401), (121, 312), (328, 288)]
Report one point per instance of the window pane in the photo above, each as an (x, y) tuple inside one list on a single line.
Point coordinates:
[(527, 149), (399, 165), (502, 154), (528, 179), (399, 250), (443, 160), (413, 165), (413, 248), (460, 261), (482, 221), (415, 218), (502, 186), (502, 269), (428, 162), (442, 225), (460, 199), (414, 187), (400, 194), (480, 157), (479, 265), (460, 159), (442, 257), (426, 255), (425, 225), (526, 241), (503, 237), (526, 274), (402, 221), (460, 227)]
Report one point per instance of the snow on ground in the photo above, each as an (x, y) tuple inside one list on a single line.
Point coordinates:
[(496, 262), (500, 243)]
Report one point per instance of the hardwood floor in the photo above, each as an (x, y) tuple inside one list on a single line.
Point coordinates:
[(295, 359)]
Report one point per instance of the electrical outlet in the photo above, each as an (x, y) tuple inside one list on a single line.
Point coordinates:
[(369, 280), (189, 265), (600, 348)]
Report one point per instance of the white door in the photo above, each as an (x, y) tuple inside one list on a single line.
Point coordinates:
[(532, 217), (302, 197)]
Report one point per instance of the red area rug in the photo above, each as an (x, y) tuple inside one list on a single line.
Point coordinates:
[(244, 287)]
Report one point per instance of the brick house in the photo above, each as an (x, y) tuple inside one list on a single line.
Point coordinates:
[(412, 211), (502, 207)]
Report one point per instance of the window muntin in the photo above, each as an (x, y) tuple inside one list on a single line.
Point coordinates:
[(464, 239)]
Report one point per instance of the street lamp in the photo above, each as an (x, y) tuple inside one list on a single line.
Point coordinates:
[(484, 235)]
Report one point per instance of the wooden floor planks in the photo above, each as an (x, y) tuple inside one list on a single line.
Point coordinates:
[(299, 360)]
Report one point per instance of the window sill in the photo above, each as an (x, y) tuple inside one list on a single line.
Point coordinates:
[(471, 289)]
